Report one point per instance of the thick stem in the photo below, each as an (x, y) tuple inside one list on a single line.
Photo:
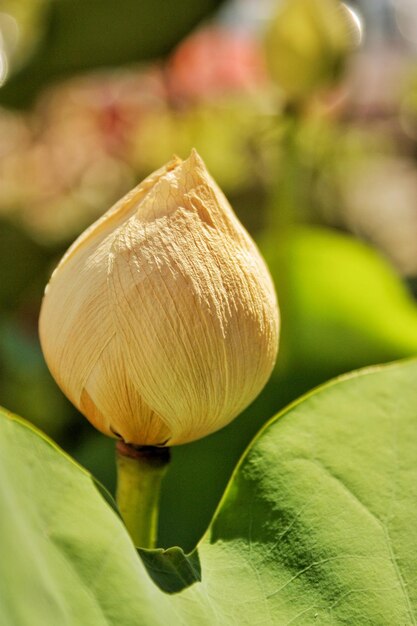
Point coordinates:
[(140, 470)]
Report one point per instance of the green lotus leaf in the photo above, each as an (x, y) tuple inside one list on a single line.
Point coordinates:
[(317, 525)]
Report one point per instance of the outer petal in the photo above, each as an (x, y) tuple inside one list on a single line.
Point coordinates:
[(78, 336), (194, 303), (109, 397)]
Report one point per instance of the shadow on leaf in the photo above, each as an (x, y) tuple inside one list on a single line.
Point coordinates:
[(171, 569)]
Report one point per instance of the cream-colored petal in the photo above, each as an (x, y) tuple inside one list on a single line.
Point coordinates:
[(195, 305), (114, 405), (76, 324), (114, 217)]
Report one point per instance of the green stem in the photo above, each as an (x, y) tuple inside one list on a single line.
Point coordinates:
[(140, 470)]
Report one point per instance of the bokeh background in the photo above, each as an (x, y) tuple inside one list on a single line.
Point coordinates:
[(305, 112)]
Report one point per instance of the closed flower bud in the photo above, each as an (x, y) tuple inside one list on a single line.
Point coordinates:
[(307, 45), (160, 323)]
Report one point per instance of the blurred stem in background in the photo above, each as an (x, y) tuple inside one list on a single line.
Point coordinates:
[(284, 200)]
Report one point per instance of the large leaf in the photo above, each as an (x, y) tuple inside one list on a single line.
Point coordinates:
[(317, 525)]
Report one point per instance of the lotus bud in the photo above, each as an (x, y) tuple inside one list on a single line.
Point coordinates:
[(308, 43), (161, 323)]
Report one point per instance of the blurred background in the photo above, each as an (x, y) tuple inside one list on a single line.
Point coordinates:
[(305, 112)]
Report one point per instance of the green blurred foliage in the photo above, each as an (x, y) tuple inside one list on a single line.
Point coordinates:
[(78, 35), (21, 262), (25, 383), (343, 298), (220, 131)]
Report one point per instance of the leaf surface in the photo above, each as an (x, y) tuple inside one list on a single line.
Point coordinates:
[(317, 525)]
